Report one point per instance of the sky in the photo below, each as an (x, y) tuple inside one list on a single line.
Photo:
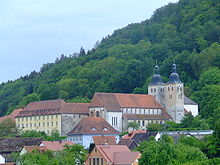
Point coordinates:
[(35, 32)]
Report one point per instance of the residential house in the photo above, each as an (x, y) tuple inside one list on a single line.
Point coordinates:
[(133, 138), (112, 155), (28, 149), (91, 126), (51, 115), (55, 145), (15, 144)]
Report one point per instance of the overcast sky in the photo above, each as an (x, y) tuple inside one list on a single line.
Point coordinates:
[(34, 32)]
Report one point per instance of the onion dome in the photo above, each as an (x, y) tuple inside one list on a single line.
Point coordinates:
[(156, 80), (174, 77)]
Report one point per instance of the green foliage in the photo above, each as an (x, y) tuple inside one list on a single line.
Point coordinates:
[(187, 31), (8, 128), (154, 127), (79, 99), (71, 155), (164, 152), (133, 125), (29, 98), (53, 137)]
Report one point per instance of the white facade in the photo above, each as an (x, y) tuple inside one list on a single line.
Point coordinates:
[(2, 159), (115, 120), (86, 140), (194, 109)]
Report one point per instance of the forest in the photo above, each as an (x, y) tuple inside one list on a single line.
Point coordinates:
[(187, 32)]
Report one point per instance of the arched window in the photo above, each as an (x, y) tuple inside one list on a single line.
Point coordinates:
[(172, 88), (92, 113), (168, 88), (151, 90), (97, 113), (154, 89)]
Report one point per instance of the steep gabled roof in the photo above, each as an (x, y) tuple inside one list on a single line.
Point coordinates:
[(188, 101), (121, 158), (115, 101), (118, 154), (129, 143), (16, 144), (58, 106), (32, 148), (131, 134), (93, 125), (108, 151), (55, 145)]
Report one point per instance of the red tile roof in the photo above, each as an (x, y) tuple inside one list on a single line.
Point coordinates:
[(103, 140), (117, 154), (125, 157), (108, 151), (115, 101), (131, 134), (55, 145), (11, 116), (38, 148), (93, 125), (58, 106)]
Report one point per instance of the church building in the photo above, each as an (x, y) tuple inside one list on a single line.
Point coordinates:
[(164, 102)]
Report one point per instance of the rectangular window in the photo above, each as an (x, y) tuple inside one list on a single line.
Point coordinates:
[(56, 123), (97, 161), (90, 161), (102, 163), (112, 120), (34, 124), (143, 123), (51, 123), (94, 161), (48, 124)]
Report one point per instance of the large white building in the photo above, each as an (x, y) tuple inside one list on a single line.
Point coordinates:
[(165, 101)]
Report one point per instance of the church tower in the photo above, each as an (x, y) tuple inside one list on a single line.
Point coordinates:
[(174, 96), (156, 87)]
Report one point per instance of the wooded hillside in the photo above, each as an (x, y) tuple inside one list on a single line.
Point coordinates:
[(188, 32)]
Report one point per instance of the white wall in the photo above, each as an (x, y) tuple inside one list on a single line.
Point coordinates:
[(87, 139), (118, 115), (194, 109), (2, 159)]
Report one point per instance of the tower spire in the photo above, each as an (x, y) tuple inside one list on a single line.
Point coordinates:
[(156, 80), (174, 77)]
